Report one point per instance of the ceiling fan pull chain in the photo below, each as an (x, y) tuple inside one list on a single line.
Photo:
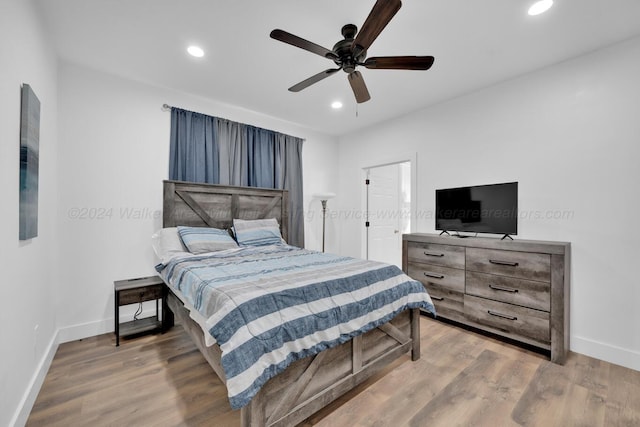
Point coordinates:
[(356, 110)]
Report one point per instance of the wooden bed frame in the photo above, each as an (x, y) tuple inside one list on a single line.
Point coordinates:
[(309, 384)]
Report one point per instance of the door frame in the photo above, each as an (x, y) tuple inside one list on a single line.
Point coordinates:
[(412, 158)]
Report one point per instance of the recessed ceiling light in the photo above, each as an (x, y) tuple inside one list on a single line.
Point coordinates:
[(195, 51), (540, 7), (336, 105)]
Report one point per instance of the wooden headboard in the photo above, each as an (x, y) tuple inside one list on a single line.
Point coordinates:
[(212, 205)]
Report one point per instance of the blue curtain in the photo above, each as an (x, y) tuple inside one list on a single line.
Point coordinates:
[(218, 151), (194, 155)]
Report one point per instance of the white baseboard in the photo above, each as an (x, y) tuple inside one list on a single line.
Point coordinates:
[(26, 403), (98, 327), (85, 330), (607, 352)]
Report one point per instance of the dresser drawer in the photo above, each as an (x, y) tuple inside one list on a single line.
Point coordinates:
[(527, 293), (509, 318), (449, 304), (450, 278), (522, 265), (429, 253), (146, 293)]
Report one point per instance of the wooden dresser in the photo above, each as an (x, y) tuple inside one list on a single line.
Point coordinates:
[(518, 289)]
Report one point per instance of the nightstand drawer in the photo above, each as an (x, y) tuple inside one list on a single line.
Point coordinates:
[(443, 255), (527, 293), (522, 265), (135, 295), (450, 278), (509, 318)]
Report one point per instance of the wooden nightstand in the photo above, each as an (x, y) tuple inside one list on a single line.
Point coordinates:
[(134, 291)]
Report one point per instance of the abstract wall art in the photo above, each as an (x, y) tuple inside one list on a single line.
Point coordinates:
[(29, 163)]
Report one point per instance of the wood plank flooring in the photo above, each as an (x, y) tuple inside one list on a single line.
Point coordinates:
[(462, 379)]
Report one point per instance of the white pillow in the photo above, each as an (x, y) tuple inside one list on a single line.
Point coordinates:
[(166, 244)]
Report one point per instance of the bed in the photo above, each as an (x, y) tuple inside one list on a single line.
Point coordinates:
[(312, 379)]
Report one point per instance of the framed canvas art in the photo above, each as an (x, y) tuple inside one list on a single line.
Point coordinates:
[(29, 160)]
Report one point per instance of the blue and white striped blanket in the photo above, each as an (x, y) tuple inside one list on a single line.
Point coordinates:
[(269, 306)]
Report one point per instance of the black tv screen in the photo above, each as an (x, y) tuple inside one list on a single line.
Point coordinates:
[(478, 209)]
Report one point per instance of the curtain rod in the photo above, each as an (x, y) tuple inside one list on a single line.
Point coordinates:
[(167, 107)]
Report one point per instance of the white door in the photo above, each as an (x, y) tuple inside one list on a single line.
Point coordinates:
[(389, 207)]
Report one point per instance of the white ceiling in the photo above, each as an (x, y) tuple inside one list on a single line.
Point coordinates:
[(476, 43)]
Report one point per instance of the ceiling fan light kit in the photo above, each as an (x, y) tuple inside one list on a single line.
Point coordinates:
[(351, 52)]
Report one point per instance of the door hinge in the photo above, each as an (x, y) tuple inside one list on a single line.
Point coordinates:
[(366, 224), (367, 182)]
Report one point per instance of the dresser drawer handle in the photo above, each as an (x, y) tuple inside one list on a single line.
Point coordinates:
[(435, 255), (503, 316), (500, 288), (434, 276), (507, 263), (437, 298)]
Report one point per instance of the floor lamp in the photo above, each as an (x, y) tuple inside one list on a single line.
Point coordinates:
[(323, 199)]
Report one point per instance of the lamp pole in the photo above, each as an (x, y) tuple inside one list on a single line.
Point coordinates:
[(323, 197), (324, 218)]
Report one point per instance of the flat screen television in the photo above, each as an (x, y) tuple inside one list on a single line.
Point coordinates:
[(478, 209)]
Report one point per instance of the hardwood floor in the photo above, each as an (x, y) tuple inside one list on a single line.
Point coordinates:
[(462, 379)]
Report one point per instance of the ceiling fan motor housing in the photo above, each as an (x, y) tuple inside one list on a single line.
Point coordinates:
[(345, 52)]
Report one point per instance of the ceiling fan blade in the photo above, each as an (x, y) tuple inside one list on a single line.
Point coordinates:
[(313, 79), (378, 18), (399, 62), (359, 87), (296, 41)]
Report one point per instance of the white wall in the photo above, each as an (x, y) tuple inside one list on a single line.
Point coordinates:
[(569, 135), (29, 269), (114, 149)]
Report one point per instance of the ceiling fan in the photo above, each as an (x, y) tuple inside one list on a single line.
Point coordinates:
[(352, 51)]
